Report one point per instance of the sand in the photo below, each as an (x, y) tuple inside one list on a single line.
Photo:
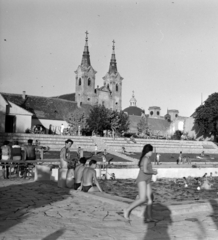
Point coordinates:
[(165, 190)]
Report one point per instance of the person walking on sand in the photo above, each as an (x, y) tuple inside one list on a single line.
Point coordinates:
[(144, 184), (180, 157)]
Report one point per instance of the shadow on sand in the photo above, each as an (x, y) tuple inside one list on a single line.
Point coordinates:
[(159, 229), (214, 215), (20, 200)]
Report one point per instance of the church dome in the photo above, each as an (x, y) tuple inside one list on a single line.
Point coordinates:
[(133, 110)]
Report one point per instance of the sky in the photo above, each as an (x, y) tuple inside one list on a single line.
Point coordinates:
[(166, 51)]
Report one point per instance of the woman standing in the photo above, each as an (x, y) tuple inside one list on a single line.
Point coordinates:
[(144, 183), (6, 156)]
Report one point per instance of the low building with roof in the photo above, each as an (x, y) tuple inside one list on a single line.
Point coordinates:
[(19, 112)]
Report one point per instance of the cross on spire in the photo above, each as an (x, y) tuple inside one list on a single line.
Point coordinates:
[(86, 35), (113, 44)]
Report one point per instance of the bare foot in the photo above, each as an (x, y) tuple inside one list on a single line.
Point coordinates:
[(126, 214)]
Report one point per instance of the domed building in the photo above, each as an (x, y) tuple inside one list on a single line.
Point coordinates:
[(157, 124), (132, 109)]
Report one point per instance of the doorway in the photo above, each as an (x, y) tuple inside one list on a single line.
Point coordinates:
[(10, 124)]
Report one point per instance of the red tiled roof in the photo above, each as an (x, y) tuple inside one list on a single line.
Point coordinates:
[(45, 107), (155, 124), (69, 97)]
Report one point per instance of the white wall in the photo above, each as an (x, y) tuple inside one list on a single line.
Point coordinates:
[(23, 123), (132, 173), (162, 172), (56, 124), (3, 104)]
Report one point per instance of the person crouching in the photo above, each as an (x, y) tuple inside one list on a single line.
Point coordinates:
[(88, 177)]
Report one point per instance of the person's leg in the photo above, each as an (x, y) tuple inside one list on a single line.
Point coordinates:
[(138, 201), (149, 203)]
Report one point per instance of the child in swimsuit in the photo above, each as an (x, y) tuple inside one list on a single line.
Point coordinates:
[(144, 182)]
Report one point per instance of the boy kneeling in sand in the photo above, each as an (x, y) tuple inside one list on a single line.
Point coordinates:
[(88, 177)]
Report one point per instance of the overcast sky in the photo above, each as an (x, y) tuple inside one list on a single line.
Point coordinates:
[(166, 51)]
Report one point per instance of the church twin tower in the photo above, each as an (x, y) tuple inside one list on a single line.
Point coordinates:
[(110, 94)]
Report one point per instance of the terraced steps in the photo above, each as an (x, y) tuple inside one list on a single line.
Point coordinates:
[(162, 146), (55, 142)]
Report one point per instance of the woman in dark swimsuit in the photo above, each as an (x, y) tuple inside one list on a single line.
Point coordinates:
[(144, 183)]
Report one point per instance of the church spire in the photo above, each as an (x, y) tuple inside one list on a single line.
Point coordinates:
[(86, 58), (113, 63)]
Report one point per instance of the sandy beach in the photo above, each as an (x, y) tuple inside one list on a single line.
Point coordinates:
[(165, 190)]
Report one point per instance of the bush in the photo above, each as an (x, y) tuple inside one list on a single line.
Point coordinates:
[(177, 135)]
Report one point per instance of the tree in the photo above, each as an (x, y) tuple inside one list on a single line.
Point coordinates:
[(124, 122), (101, 118), (77, 118), (142, 126), (206, 116)]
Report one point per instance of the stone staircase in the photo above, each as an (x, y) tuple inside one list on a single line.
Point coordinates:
[(55, 142), (161, 146)]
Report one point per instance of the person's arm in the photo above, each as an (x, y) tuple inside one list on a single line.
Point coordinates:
[(63, 154), (96, 181), (145, 168), (9, 152)]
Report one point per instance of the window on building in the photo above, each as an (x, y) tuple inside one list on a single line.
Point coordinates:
[(89, 82), (158, 113), (117, 87), (95, 91), (80, 82), (176, 115), (151, 113), (81, 103)]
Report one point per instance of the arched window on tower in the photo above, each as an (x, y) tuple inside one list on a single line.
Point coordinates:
[(80, 82), (117, 87), (89, 82)]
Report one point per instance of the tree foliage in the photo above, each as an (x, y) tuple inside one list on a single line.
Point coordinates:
[(77, 118), (101, 118), (124, 122), (206, 115), (142, 125)]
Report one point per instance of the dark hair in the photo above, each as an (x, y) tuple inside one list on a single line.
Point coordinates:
[(6, 142), (92, 162), (83, 160), (30, 141), (147, 148), (15, 142), (69, 140)]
